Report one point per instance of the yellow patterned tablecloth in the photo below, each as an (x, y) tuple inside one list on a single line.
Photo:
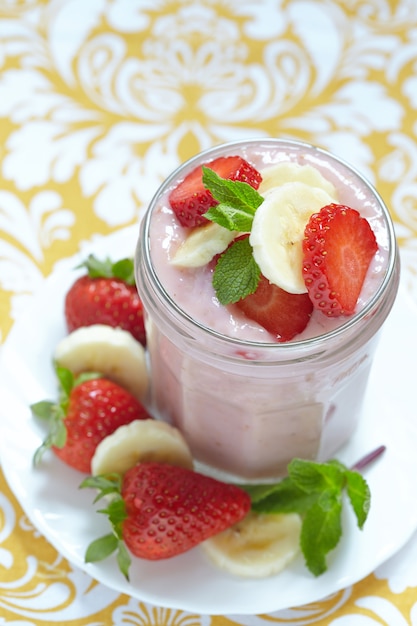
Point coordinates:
[(99, 100)]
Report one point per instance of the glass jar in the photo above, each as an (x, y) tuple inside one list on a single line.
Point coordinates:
[(247, 407)]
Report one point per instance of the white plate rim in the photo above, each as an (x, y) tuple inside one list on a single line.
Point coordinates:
[(189, 582)]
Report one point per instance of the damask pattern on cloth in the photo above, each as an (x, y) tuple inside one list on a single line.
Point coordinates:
[(99, 101)]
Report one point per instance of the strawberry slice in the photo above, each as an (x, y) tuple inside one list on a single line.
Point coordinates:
[(338, 248), (190, 199), (282, 314)]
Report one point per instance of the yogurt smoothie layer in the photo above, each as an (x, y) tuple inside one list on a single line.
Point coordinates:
[(246, 404)]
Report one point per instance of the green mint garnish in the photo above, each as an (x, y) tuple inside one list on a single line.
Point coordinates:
[(236, 274), (237, 200), (315, 491)]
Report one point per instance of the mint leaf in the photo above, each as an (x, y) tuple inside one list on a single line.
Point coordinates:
[(359, 495), (230, 218), (321, 532), (233, 193), (314, 477), (315, 491), (236, 274), (283, 497)]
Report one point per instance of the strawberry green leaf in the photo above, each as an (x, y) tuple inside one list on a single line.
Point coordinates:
[(123, 559), (42, 409), (101, 548), (236, 274), (116, 512), (66, 380), (84, 376), (359, 495), (104, 485), (53, 414), (124, 270), (106, 268)]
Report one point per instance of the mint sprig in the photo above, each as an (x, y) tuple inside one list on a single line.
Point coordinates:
[(237, 200), (236, 274), (316, 492)]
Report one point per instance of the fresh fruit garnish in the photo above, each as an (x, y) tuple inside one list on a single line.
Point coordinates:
[(338, 248), (282, 314), (202, 244), (278, 230), (159, 511), (89, 409), (106, 295), (275, 225), (260, 545), (290, 171), (140, 441), (190, 199), (113, 352), (316, 491)]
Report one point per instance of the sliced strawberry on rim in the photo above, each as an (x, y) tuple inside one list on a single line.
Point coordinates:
[(283, 314), (338, 248), (190, 199)]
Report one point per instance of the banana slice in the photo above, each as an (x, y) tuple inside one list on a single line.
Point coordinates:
[(139, 441), (288, 171), (202, 244), (111, 351), (259, 546), (278, 230)]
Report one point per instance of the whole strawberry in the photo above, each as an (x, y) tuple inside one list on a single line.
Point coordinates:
[(106, 295), (159, 511), (89, 409)]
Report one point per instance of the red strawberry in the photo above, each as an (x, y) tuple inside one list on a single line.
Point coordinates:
[(90, 409), (190, 199), (106, 295), (282, 314), (162, 510), (338, 247)]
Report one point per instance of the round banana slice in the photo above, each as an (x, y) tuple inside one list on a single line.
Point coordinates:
[(288, 171), (110, 351), (202, 244), (140, 441), (260, 545), (278, 231)]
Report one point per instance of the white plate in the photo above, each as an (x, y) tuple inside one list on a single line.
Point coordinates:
[(65, 515)]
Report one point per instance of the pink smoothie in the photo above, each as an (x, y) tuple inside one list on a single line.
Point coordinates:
[(246, 404)]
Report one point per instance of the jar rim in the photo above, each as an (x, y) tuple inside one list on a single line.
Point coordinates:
[(314, 342)]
